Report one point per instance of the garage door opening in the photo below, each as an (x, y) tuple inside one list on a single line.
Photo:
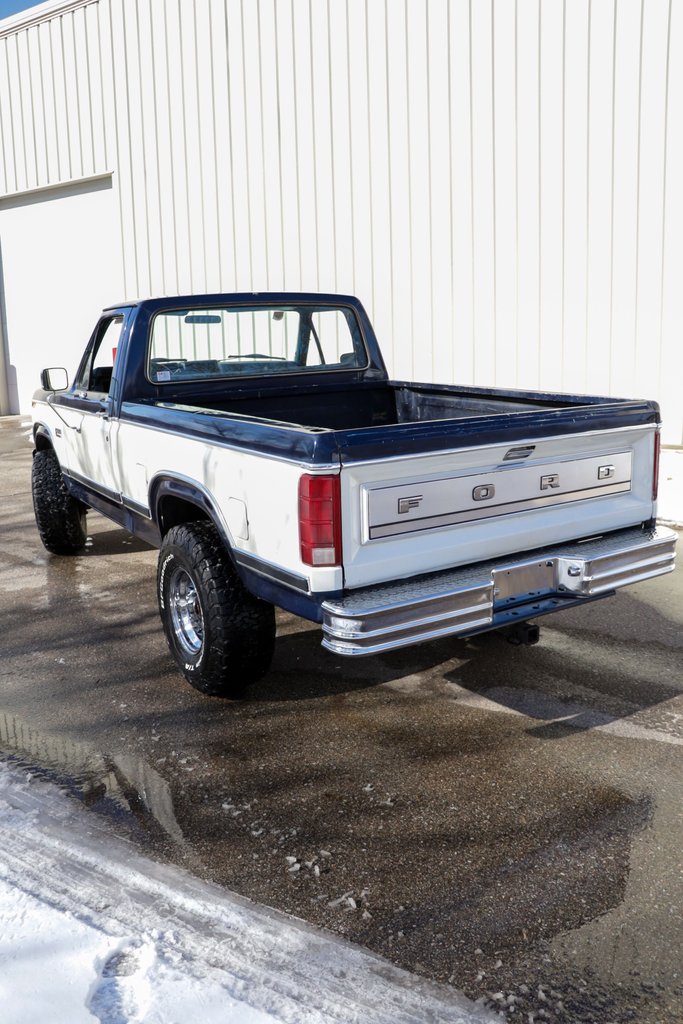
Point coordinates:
[(60, 263)]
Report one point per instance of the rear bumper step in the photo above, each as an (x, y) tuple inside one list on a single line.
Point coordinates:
[(471, 598)]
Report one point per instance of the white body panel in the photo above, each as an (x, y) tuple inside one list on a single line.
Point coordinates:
[(264, 489), (93, 451), (256, 496)]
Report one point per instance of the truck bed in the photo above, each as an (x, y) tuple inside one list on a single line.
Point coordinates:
[(388, 403)]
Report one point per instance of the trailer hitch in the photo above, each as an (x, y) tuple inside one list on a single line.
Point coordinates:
[(521, 634)]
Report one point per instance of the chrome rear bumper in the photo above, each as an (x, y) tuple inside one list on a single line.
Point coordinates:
[(472, 598)]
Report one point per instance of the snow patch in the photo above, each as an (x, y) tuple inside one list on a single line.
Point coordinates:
[(90, 931)]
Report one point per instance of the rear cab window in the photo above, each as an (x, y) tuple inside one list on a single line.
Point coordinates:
[(204, 343)]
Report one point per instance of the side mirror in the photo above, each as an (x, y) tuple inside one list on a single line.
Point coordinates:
[(55, 378)]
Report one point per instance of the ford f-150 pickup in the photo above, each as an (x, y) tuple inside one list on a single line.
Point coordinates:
[(258, 441)]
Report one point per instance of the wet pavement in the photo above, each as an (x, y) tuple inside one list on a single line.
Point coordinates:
[(506, 819)]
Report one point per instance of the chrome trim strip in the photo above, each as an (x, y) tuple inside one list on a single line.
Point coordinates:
[(271, 572), (135, 506), (104, 492), (462, 601)]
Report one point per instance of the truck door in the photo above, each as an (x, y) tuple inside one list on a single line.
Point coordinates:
[(87, 410)]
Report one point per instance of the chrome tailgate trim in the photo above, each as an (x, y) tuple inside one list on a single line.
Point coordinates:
[(465, 600)]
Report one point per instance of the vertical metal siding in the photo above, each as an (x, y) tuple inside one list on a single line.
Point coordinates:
[(497, 180)]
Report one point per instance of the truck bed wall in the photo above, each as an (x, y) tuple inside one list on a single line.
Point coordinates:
[(359, 407), (332, 410)]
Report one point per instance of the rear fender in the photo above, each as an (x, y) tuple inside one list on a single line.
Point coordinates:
[(189, 492)]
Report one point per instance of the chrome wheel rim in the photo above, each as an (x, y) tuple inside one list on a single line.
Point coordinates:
[(186, 613)]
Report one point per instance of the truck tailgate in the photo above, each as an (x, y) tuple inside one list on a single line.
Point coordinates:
[(405, 515)]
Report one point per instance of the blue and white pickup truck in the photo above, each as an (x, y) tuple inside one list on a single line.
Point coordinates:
[(257, 440)]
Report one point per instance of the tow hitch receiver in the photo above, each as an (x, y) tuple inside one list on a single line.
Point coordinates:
[(521, 634)]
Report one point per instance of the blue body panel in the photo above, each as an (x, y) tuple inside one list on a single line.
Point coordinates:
[(271, 438), (583, 413), (317, 446)]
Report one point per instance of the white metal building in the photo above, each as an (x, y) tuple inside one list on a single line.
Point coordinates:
[(498, 180)]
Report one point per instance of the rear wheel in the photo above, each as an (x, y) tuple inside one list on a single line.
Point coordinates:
[(60, 518), (221, 636)]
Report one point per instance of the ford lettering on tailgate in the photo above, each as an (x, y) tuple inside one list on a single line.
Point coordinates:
[(457, 499)]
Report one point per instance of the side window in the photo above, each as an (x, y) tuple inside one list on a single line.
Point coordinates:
[(97, 371)]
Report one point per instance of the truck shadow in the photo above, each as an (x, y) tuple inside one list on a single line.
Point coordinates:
[(113, 542), (614, 668), (303, 670), (591, 670)]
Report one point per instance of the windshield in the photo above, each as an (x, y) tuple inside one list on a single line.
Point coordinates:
[(206, 342)]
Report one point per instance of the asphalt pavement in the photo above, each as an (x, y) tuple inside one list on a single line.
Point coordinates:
[(508, 820)]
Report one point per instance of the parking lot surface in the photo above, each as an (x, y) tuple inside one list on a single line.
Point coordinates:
[(504, 819)]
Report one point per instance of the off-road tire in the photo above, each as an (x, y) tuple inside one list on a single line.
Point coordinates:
[(235, 630), (60, 518)]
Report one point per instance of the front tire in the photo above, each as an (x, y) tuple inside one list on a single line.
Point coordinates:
[(60, 518), (221, 636)]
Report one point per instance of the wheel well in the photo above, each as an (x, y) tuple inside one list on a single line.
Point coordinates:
[(173, 511), (42, 440)]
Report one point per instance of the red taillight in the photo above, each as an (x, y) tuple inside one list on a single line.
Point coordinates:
[(320, 520), (655, 467)]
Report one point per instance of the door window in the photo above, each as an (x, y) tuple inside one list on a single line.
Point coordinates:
[(96, 372)]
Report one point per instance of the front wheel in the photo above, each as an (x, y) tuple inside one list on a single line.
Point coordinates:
[(221, 636), (60, 518)]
